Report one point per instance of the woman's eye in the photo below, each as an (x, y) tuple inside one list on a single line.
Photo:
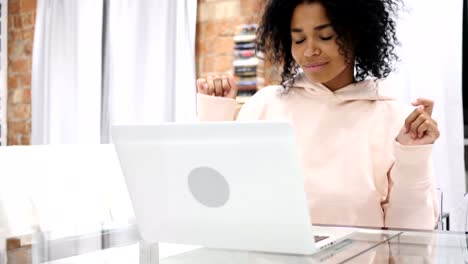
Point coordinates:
[(326, 38), (299, 41)]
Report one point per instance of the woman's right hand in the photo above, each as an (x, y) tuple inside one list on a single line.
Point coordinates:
[(222, 86)]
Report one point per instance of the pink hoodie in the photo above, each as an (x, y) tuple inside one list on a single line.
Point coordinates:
[(355, 172)]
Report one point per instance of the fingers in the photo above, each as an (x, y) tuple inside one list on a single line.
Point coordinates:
[(427, 127), (414, 127), (232, 87), (225, 86), (231, 81), (202, 86), (433, 130), (215, 85), (211, 85), (413, 116), (427, 103), (218, 86), (420, 123)]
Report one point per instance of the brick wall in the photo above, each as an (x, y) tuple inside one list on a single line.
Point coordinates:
[(21, 17), (216, 24)]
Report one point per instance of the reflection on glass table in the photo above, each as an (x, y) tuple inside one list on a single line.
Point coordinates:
[(420, 247), (360, 241), (122, 244)]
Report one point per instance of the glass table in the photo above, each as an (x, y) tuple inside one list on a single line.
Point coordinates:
[(421, 247), (123, 245)]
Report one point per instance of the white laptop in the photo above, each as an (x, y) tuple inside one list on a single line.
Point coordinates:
[(227, 185)]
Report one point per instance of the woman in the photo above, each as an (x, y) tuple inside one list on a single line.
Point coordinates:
[(365, 157)]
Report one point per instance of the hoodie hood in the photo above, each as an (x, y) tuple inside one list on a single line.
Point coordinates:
[(368, 90)]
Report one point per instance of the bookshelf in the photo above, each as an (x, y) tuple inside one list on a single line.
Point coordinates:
[(3, 70), (248, 64)]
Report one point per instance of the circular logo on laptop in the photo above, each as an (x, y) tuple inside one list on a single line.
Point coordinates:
[(208, 186)]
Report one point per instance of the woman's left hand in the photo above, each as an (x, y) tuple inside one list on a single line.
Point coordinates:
[(419, 128)]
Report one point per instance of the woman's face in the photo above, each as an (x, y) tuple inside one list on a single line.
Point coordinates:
[(314, 47)]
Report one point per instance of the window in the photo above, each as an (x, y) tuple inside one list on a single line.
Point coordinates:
[(3, 71)]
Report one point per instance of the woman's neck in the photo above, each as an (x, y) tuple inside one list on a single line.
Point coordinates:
[(343, 79)]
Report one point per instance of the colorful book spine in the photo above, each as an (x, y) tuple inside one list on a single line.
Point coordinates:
[(248, 64)]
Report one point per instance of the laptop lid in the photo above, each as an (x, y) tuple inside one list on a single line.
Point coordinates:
[(218, 184)]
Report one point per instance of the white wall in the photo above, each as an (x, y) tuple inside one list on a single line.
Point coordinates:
[(431, 58)]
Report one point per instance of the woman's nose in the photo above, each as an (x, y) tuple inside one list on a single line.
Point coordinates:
[(311, 50)]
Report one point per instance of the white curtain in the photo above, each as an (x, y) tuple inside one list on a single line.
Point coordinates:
[(151, 61), (147, 74), (66, 72), (431, 66)]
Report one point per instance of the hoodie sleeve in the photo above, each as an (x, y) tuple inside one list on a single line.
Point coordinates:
[(212, 108), (411, 200)]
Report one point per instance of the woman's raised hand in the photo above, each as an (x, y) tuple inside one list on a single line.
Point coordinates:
[(220, 85), (420, 128)]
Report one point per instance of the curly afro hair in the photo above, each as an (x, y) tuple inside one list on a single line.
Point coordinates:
[(366, 27)]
